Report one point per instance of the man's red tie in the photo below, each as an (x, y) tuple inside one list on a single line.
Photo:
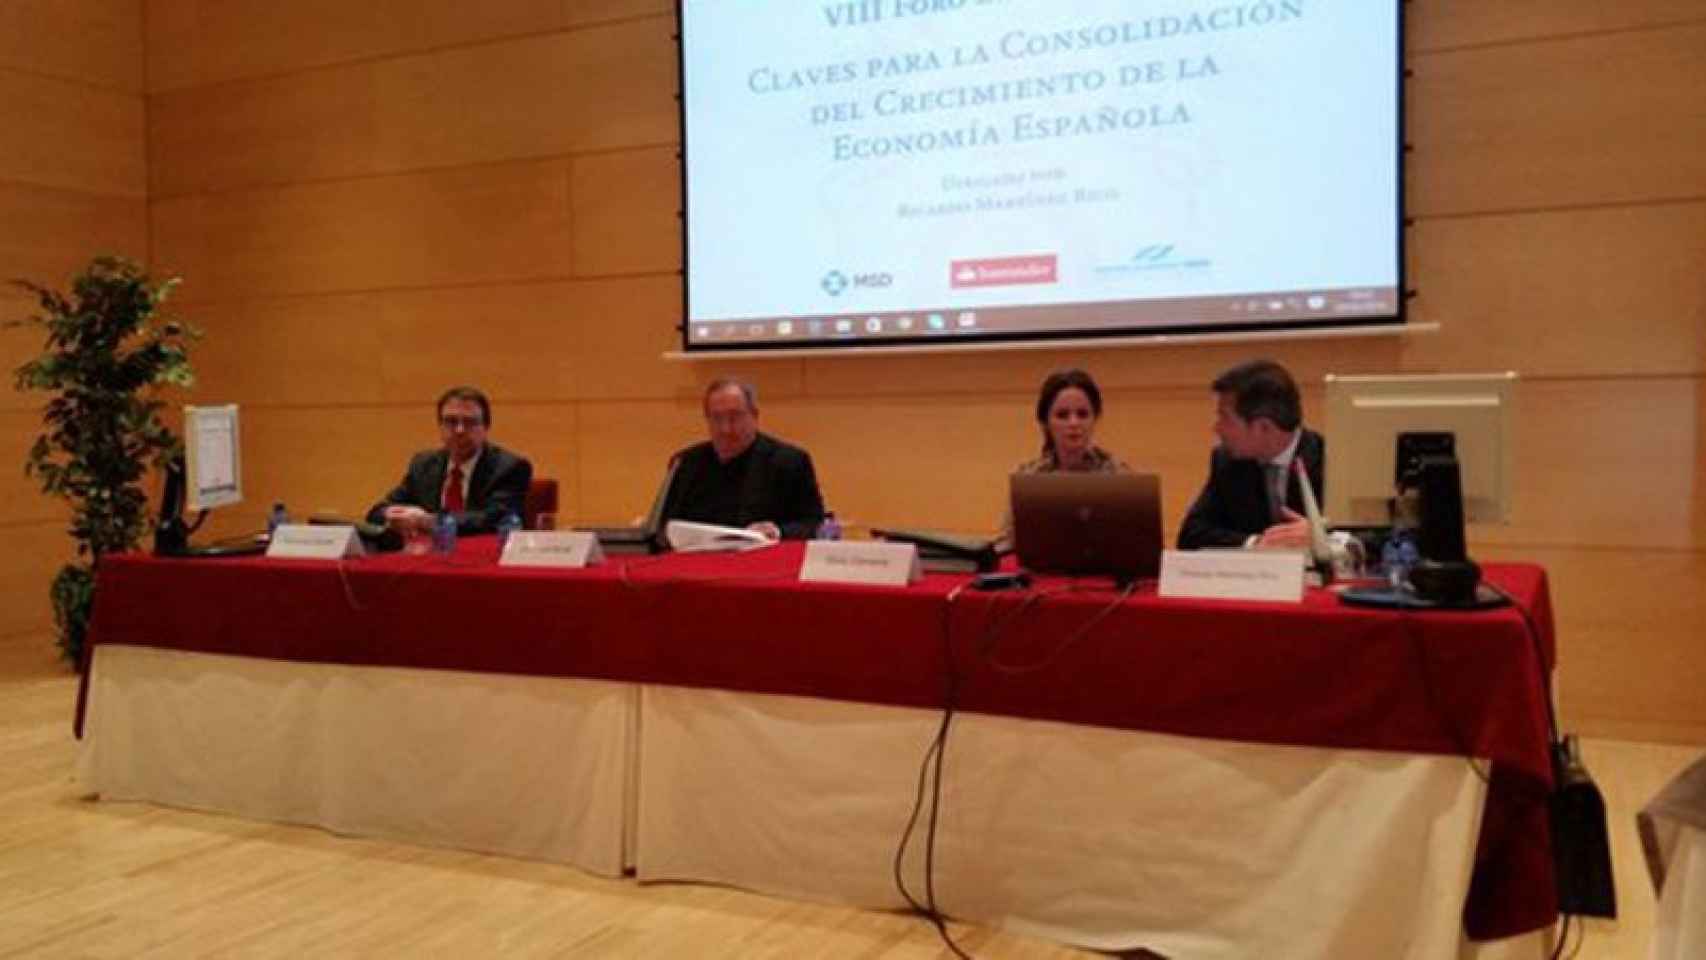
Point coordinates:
[(453, 490)]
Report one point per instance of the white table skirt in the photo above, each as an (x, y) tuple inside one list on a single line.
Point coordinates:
[(534, 767), (1108, 839), (1679, 929), (1097, 837)]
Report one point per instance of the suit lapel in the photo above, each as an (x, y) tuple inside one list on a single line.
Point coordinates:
[(1249, 490), (482, 477), (434, 478)]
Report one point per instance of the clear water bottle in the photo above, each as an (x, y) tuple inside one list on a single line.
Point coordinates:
[(444, 533), (830, 528), (278, 517), (1389, 564), (1398, 556), (508, 525), (1408, 556)]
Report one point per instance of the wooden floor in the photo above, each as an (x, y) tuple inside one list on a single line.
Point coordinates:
[(80, 878)]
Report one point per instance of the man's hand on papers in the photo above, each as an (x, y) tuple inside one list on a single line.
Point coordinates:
[(768, 529)]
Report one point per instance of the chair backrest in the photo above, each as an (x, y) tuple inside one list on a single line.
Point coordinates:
[(541, 498)]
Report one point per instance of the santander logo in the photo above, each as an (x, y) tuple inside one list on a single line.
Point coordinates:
[(1004, 271)]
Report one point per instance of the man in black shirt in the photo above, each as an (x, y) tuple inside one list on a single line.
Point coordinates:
[(743, 478)]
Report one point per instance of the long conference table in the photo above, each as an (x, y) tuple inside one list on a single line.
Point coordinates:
[(1202, 778)]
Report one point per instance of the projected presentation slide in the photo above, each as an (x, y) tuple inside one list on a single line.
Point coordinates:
[(881, 170)]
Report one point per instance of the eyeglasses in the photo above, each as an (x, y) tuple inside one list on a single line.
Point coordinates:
[(450, 422), (733, 418)]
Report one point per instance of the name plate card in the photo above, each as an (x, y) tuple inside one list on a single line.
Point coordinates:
[(1275, 575), (861, 561), (315, 542), (548, 548)]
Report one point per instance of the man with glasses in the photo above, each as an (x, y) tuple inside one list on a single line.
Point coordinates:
[(476, 481), (743, 478)]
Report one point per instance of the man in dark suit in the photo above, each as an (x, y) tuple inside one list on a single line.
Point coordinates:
[(743, 478), (1252, 497), (476, 481)]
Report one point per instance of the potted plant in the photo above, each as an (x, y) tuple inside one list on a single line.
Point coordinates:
[(107, 356)]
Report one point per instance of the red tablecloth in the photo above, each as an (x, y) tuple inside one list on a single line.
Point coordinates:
[(1317, 674)]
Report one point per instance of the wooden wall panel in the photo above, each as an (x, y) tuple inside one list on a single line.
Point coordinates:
[(72, 185), (72, 136), (627, 210), (1700, 446), (517, 343), (94, 42), (625, 446), (336, 459), (297, 351), (545, 96), (50, 233), (1606, 118), (1604, 463), (1134, 367), (202, 42), (937, 483), (1627, 667), (312, 125), (533, 342), (592, 89), (17, 344), (25, 503), (34, 553), (1473, 23), (628, 324), (594, 11), (1615, 290), (474, 225)]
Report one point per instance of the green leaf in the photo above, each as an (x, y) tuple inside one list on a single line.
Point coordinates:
[(107, 352)]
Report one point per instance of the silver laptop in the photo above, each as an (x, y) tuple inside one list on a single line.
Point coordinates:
[(1088, 524)]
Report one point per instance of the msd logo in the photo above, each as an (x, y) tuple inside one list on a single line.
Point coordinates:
[(835, 283), (1004, 271)]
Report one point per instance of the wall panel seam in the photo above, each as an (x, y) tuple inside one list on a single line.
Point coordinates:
[(1681, 200), (70, 81), (10, 524), (411, 52), (71, 191), (1558, 37), (184, 303), (263, 186)]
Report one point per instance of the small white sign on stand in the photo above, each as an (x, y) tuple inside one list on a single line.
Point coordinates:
[(1275, 575), (861, 561), (551, 548), (315, 542)]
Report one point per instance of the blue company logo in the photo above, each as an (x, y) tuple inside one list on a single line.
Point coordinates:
[(835, 282), (1156, 256)]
